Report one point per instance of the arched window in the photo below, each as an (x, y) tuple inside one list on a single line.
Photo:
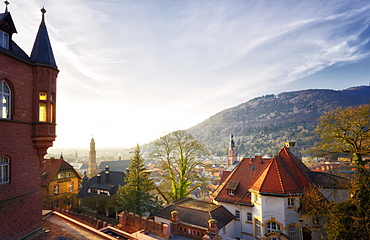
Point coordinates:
[(273, 227), (4, 169), (5, 96)]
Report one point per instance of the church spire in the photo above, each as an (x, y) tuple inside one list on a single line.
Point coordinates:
[(42, 53)]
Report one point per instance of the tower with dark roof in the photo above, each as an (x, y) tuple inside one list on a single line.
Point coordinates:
[(92, 159), (232, 155), (27, 127)]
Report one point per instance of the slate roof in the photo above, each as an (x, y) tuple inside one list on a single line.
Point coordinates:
[(42, 53), (120, 165), (116, 179), (283, 175), (51, 168), (197, 212)]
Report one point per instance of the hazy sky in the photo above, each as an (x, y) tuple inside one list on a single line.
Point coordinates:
[(132, 70)]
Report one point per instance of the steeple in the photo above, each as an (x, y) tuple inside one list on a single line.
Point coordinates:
[(42, 53), (232, 156), (92, 159)]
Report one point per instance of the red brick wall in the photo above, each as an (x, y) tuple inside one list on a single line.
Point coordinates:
[(21, 199)]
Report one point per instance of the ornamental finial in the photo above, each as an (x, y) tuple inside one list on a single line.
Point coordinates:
[(6, 5)]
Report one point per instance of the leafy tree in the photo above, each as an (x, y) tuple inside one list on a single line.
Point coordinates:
[(346, 130), (136, 195), (179, 154)]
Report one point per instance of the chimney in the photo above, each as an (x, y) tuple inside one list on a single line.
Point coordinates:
[(106, 174), (212, 227), (98, 178), (290, 144)]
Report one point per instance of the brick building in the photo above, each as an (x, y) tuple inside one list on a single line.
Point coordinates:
[(27, 127)]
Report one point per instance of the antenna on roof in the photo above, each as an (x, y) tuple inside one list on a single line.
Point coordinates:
[(6, 6)]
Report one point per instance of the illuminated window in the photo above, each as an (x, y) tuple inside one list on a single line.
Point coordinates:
[(43, 96), (5, 100), (4, 40), (4, 169), (42, 116)]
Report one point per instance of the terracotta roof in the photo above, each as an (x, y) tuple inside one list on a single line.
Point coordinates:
[(246, 172), (51, 168), (284, 174), (197, 212)]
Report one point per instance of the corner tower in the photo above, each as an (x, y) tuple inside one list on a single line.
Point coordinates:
[(92, 159), (45, 72)]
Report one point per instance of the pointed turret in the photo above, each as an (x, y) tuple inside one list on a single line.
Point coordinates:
[(42, 53)]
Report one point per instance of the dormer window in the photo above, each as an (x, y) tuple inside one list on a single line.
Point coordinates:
[(4, 40), (231, 187)]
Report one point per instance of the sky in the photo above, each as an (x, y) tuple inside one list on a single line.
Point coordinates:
[(133, 70)]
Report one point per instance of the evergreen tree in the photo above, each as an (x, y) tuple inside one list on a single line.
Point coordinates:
[(136, 195)]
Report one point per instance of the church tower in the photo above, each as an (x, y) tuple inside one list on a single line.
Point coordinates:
[(92, 159), (232, 155)]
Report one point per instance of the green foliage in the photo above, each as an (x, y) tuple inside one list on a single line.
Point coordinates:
[(346, 130), (351, 219), (136, 195), (179, 154), (96, 203)]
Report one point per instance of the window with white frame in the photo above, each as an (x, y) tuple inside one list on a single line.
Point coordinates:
[(293, 232), (4, 169), (60, 175), (273, 227), (68, 174), (56, 189), (237, 214), (257, 229), (5, 96), (291, 202), (4, 40), (71, 185), (249, 217)]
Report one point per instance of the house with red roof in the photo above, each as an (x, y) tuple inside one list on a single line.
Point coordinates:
[(59, 181), (264, 196)]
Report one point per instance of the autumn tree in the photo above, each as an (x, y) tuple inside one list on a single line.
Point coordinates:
[(346, 130), (180, 155), (136, 195)]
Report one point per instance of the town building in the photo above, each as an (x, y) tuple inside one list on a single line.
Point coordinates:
[(104, 183), (27, 126), (264, 196), (119, 165), (59, 181)]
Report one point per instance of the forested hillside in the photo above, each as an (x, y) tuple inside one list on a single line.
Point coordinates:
[(263, 124)]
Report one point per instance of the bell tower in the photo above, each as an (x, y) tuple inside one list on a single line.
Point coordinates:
[(92, 159), (232, 155)]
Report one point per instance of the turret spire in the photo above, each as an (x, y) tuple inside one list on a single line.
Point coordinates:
[(42, 53), (6, 6)]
